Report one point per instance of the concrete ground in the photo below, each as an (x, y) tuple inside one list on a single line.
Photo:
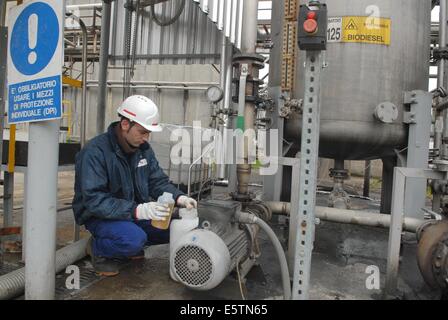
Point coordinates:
[(342, 254)]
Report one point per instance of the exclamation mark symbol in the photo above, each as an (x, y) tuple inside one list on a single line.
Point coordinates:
[(32, 38)]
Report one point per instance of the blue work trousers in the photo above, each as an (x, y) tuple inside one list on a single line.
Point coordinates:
[(118, 238)]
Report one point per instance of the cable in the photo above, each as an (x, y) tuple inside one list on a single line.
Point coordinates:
[(134, 41), (170, 21), (239, 279)]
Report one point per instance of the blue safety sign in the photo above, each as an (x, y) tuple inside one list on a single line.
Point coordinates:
[(35, 58)]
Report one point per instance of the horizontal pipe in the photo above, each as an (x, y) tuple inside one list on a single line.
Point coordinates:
[(13, 283), (362, 218), (83, 6), (173, 83), (225, 183), (152, 87)]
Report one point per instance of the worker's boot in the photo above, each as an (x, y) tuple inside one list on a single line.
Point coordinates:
[(103, 266)]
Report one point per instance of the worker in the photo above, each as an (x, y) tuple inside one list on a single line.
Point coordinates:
[(117, 182)]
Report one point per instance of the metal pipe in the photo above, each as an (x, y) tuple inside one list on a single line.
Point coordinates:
[(84, 78), (3, 53), (248, 46), (41, 204), (174, 83), (356, 217), (152, 87), (83, 97), (104, 60), (250, 26), (367, 174), (227, 104), (339, 164), (221, 126), (83, 6), (191, 166), (13, 283), (441, 73), (2, 12)]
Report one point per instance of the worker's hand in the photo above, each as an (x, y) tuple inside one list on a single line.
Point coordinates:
[(152, 211), (187, 202)]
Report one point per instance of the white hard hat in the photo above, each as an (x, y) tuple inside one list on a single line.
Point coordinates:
[(142, 110)]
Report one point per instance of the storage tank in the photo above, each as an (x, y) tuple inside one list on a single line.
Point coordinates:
[(381, 50)]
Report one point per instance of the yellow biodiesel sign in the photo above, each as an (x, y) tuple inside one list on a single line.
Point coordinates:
[(359, 30)]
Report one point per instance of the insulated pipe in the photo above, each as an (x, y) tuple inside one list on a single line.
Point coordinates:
[(349, 216), (104, 60), (13, 283), (245, 217)]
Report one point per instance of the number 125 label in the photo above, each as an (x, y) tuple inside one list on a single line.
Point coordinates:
[(334, 30)]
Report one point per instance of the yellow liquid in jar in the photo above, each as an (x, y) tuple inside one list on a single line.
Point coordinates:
[(164, 224)]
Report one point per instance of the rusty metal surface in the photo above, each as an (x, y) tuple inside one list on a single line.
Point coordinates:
[(428, 244), (10, 231)]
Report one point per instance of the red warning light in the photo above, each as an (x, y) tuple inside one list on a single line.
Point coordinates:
[(311, 15)]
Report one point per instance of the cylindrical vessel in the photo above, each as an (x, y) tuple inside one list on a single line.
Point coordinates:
[(360, 76)]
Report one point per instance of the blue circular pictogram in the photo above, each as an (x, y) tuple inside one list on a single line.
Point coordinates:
[(31, 53)]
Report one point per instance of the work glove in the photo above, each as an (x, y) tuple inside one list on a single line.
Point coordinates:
[(187, 202), (152, 211)]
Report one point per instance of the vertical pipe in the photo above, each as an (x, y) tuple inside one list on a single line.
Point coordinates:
[(367, 171), (218, 122), (222, 75), (104, 59), (227, 105), (441, 74), (339, 164), (84, 83), (83, 98), (443, 66), (3, 53), (386, 186), (225, 82), (248, 46), (41, 210), (250, 26), (2, 12)]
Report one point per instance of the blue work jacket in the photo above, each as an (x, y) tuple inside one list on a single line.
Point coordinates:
[(110, 186)]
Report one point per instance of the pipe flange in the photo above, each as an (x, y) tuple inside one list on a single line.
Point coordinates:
[(261, 209), (248, 57), (242, 197), (386, 112), (442, 165)]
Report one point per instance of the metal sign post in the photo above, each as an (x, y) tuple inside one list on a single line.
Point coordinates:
[(35, 59), (312, 22)]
